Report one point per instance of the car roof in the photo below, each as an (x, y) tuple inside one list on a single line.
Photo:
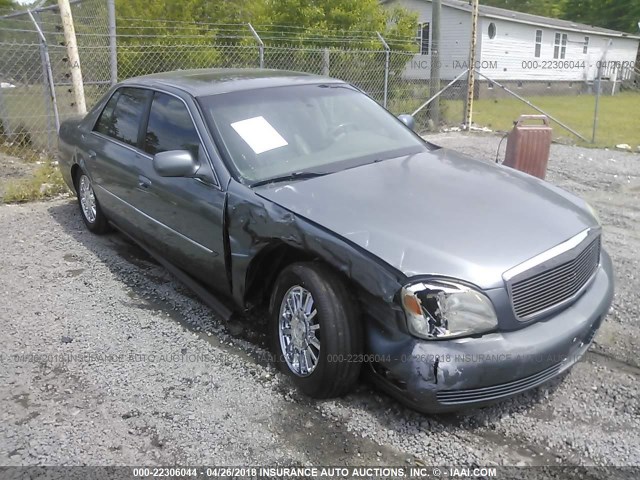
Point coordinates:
[(212, 81)]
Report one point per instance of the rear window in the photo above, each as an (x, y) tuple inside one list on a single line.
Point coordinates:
[(122, 116)]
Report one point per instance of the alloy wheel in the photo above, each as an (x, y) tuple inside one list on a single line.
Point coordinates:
[(298, 329), (87, 198)]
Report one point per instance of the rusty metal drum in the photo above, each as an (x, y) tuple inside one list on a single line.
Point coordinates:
[(528, 145)]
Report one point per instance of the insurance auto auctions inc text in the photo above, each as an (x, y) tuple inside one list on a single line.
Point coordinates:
[(357, 472)]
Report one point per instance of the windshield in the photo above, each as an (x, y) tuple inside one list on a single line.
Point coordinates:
[(274, 132)]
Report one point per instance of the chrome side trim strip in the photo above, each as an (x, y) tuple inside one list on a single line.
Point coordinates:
[(175, 232)]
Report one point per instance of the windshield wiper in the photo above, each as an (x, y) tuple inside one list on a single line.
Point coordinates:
[(289, 176)]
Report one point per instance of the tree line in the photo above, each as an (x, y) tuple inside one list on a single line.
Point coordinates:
[(367, 15)]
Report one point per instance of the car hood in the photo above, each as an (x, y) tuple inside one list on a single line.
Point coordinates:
[(439, 213)]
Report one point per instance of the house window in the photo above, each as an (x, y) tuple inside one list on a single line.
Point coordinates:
[(492, 30), (585, 46), (538, 43), (560, 45), (422, 38)]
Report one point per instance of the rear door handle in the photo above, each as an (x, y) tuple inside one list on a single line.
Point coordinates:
[(92, 155), (143, 182)]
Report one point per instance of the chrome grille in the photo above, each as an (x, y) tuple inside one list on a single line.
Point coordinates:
[(556, 285)]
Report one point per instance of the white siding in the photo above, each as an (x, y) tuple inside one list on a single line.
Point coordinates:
[(509, 55), (455, 35), (502, 57)]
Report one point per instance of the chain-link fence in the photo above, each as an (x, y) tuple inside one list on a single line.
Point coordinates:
[(37, 93)]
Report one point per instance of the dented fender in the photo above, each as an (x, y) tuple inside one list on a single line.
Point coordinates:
[(253, 223)]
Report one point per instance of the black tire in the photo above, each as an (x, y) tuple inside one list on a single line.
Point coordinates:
[(340, 331), (99, 223)]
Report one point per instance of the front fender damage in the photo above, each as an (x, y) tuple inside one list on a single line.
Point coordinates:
[(253, 223)]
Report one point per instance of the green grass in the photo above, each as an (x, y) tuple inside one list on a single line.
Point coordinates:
[(618, 119), (24, 153), (46, 182)]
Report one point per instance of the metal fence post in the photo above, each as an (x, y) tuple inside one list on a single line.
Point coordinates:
[(113, 46), (595, 113), (387, 52), (326, 62), (434, 79), (260, 44), (46, 93), (47, 72)]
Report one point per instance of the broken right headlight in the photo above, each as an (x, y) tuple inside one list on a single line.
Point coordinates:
[(440, 309)]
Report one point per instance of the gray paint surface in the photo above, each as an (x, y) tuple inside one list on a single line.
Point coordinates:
[(439, 213), (214, 81)]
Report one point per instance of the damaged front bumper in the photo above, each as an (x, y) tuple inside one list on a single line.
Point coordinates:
[(447, 375)]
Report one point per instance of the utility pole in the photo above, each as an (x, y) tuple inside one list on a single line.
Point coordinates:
[(72, 53), (434, 82), (598, 84), (468, 114)]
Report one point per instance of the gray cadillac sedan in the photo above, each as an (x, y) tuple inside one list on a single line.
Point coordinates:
[(450, 281)]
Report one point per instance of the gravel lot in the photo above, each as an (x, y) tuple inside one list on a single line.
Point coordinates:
[(107, 360)]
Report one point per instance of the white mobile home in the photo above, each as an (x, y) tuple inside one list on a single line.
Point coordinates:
[(515, 47)]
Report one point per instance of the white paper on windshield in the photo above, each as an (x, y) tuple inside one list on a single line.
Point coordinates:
[(259, 134)]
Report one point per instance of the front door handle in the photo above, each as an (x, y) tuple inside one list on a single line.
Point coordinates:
[(92, 155), (143, 182)]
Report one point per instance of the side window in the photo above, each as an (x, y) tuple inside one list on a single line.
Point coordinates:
[(104, 124), (123, 122), (170, 126)]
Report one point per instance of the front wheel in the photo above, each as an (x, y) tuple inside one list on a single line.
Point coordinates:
[(90, 210), (315, 330)]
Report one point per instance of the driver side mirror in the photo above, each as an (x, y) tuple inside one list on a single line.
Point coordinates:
[(408, 120), (175, 163)]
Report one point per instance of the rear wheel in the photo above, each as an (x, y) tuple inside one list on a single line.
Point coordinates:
[(90, 210), (315, 330)]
